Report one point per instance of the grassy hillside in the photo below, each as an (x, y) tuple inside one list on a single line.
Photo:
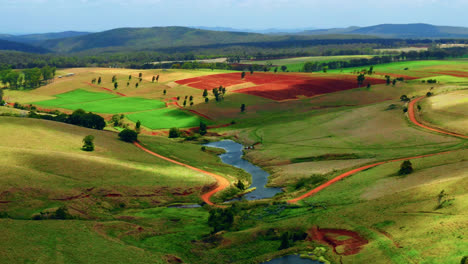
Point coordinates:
[(50, 166)]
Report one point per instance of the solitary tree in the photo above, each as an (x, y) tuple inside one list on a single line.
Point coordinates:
[(88, 144), (116, 85), (242, 108), (394, 82), (276, 69), (203, 129), (174, 133), (191, 98), (99, 80), (360, 79), (129, 77), (138, 126), (136, 85), (368, 85), (154, 78), (404, 98), (284, 68), (405, 168), (240, 185), (140, 74), (164, 92), (387, 79), (157, 78), (285, 242), (205, 93), (206, 99), (128, 83), (242, 75), (178, 98), (128, 135), (114, 78), (185, 103)]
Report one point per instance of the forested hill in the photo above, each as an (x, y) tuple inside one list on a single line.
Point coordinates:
[(10, 45), (132, 39)]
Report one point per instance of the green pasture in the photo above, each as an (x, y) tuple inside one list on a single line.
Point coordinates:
[(165, 118), (424, 68), (117, 105), (101, 102), (75, 97)]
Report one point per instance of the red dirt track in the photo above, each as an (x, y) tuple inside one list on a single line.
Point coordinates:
[(222, 183), (351, 246), (413, 119), (351, 172), (280, 87)]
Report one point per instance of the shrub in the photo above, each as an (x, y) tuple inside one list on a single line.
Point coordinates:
[(128, 135), (88, 144)]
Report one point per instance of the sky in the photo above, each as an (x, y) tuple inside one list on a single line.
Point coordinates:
[(40, 16)]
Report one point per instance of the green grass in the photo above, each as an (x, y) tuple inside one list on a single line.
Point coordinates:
[(165, 118), (74, 97), (64, 242), (101, 102), (117, 105)]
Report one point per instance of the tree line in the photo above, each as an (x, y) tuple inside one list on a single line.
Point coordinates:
[(404, 56), (27, 78)]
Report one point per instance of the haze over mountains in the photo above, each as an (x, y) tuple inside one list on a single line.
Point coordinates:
[(137, 39)]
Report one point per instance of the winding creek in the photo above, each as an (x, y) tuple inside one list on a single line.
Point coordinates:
[(233, 157)]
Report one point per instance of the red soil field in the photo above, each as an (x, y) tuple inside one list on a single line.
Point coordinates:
[(351, 245), (280, 87)]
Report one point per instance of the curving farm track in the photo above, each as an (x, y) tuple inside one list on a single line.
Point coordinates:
[(222, 183), (412, 117)]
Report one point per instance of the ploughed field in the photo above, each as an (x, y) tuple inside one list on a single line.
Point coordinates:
[(280, 87)]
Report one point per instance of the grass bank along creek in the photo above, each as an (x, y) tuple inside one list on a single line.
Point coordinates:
[(233, 157)]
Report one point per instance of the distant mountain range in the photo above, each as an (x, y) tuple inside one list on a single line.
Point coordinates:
[(397, 31), (37, 38), (157, 38), (16, 46), (261, 31)]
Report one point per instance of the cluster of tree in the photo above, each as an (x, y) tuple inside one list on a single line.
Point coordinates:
[(60, 214), (219, 93), (79, 117), (27, 78), (288, 238), (221, 219)]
